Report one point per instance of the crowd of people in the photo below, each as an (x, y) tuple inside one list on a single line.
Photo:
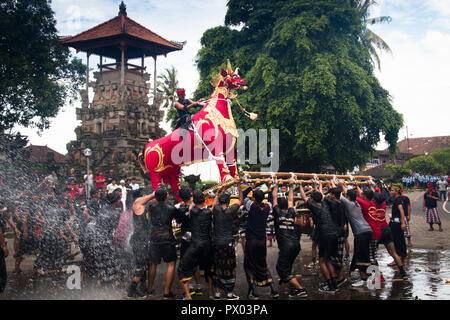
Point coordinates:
[(420, 180), (123, 242)]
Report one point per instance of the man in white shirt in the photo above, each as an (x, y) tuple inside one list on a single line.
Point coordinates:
[(52, 179), (112, 186), (124, 193), (442, 188), (134, 185)]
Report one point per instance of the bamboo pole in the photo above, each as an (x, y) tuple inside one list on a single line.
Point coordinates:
[(254, 174), (304, 182)]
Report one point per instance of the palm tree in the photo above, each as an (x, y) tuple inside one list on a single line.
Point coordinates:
[(168, 85), (370, 39)]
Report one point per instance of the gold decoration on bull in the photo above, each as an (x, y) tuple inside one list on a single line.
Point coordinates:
[(160, 167)]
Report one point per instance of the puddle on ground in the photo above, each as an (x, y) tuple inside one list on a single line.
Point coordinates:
[(427, 269)]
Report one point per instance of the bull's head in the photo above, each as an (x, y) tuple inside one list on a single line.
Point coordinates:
[(231, 79)]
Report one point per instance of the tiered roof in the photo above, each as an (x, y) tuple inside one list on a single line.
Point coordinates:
[(106, 39)]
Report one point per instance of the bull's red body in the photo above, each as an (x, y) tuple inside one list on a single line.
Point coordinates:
[(216, 127)]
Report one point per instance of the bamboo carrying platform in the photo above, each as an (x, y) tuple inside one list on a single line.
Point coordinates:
[(258, 178)]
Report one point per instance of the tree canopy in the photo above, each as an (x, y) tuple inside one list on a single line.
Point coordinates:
[(425, 164), (309, 74), (37, 74)]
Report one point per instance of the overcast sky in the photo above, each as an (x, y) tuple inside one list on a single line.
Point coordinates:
[(417, 74)]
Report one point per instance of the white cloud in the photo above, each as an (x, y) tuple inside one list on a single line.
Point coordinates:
[(417, 78)]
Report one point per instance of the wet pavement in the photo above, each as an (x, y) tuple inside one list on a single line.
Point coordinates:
[(428, 265), (428, 271)]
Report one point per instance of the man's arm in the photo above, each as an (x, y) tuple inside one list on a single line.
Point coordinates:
[(13, 225), (321, 188), (140, 203), (25, 225), (402, 216), (86, 214), (358, 189), (241, 193), (70, 231), (291, 194), (302, 191), (275, 195)]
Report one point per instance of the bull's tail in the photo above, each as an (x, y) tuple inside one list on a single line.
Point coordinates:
[(142, 163)]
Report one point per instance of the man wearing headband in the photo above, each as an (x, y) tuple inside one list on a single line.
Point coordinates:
[(430, 199), (184, 116)]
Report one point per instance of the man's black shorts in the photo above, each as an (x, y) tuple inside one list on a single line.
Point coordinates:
[(386, 236), (328, 248), (167, 252)]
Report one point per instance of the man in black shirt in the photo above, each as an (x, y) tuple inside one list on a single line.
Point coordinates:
[(186, 231), (407, 211), (162, 240), (430, 199), (184, 116), (197, 254), (255, 252), (224, 254), (139, 242), (397, 223), (89, 213), (327, 234), (288, 239), (339, 218)]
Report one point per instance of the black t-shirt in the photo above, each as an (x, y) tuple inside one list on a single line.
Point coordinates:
[(338, 216), (396, 216), (285, 229), (406, 203), (200, 223), (257, 221), (324, 225), (140, 223), (430, 203), (185, 111), (184, 218), (161, 216), (223, 224)]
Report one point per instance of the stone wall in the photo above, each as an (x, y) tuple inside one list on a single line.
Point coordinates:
[(116, 125)]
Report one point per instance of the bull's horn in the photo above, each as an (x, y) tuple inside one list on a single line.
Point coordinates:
[(236, 72), (229, 70)]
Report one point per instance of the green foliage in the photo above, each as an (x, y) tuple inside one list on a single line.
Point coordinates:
[(397, 171), (442, 156), (168, 85), (37, 75), (425, 164), (309, 75)]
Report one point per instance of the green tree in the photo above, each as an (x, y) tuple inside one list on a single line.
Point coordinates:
[(37, 73), (309, 75), (371, 40), (442, 156), (397, 171), (168, 85), (424, 164)]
